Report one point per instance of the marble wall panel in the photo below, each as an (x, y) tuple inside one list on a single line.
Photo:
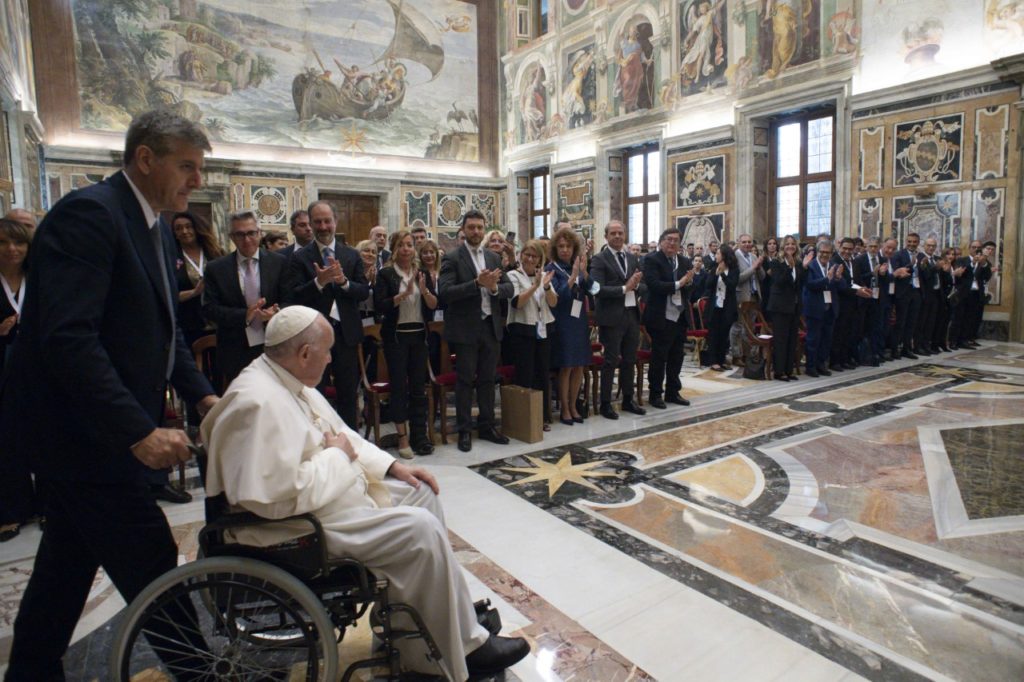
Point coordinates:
[(869, 222), (272, 199), (872, 157), (988, 224), (928, 150), (991, 134), (574, 198)]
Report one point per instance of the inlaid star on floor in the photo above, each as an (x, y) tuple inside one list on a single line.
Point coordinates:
[(352, 139), (562, 472)]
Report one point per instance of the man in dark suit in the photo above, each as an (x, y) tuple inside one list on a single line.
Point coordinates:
[(982, 257), (709, 257), (669, 277), (328, 276), (870, 273), (243, 291), (845, 337), (963, 281), (301, 230), (821, 307), (379, 236), (471, 284), (906, 270), (84, 396), (931, 298), (620, 281)]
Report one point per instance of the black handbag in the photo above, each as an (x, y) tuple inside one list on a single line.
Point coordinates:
[(953, 298), (754, 367)]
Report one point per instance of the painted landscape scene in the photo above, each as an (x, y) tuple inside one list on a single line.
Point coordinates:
[(372, 77)]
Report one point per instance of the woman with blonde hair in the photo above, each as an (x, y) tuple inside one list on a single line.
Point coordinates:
[(570, 352), (530, 323)]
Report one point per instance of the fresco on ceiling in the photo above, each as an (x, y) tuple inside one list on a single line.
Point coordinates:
[(703, 50), (579, 87), (634, 73), (379, 76), (1004, 22)]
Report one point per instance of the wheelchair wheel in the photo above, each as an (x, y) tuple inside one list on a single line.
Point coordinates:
[(226, 618)]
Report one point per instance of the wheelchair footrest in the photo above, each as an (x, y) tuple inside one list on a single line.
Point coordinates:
[(488, 616)]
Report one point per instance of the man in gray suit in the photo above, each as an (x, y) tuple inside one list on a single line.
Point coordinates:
[(749, 289), (471, 284), (620, 280)]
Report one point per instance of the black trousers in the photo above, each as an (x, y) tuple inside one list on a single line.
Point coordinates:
[(719, 323), (974, 311), (958, 321), (407, 371), (940, 334), (785, 332), (667, 351), (907, 310), (345, 367), (620, 346), (926, 320), (532, 359), (88, 525), (843, 341), (475, 365), (19, 494)]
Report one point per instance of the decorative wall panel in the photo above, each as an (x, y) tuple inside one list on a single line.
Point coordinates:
[(991, 127), (869, 223), (574, 198), (700, 182), (928, 150), (872, 157), (987, 224)]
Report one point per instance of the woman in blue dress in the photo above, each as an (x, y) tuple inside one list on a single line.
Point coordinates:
[(570, 352)]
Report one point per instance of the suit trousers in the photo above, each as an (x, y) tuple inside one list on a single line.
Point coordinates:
[(974, 312), (819, 340), (476, 364), (345, 368), (926, 320), (114, 525), (843, 343), (406, 357), (620, 345), (785, 328), (940, 333), (873, 329), (532, 359), (958, 322), (667, 351), (907, 310)]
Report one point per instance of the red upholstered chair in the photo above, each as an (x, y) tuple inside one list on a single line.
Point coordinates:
[(377, 389), (440, 383)]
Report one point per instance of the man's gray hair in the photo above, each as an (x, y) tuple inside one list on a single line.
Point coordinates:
[(239, 216), (823, 242), (614, 222), (872, 240), (158, 129)]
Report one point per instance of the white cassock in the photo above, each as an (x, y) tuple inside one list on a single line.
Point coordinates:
[(265, 443)]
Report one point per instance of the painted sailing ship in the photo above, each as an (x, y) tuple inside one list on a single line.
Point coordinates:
[(372, 96)]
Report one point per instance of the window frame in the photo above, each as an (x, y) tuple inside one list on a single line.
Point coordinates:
[(544, 212), (803, 178), (646, 198)]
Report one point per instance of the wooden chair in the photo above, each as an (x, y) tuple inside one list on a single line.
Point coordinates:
[(373, 390), (441, 382), (756, 328), (592, 373), (698, 332), (643, 358), (204, 350)]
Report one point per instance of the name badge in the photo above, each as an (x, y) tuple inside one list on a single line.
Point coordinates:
[(874, 293), (828, 297), (630, 299), (914, 282), (892, 288), (439, 316), (671, 313), (577, 308), (368, 322), (677, 299), (542, 330)]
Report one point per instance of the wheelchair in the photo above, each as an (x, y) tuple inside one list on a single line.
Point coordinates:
[(262, 613)]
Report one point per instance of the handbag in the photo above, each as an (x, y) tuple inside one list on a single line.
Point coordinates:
[(754, 367), (953, 298)]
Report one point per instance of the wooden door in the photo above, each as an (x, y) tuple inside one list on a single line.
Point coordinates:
[(357, 215)]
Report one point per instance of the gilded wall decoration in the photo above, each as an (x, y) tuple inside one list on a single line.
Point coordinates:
[(260, 73), (872, 157), (450, 209), (579, 87), (634, 77), (928, 150), (869, 217), (701, 229), (991, 128), (703, 45), (417, 209), (987, 225), (701, 182)]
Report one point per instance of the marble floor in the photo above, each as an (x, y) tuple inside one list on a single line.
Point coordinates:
[(865, 525)]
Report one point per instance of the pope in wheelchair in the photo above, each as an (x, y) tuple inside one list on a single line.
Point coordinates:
[(278, 450)]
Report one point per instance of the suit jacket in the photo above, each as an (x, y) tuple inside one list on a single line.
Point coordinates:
[(785, 296), (300, 288), (904, 259), (982, 274), (815, 286), (729, 305), (746, 276), (389, 285), (224, 302), (88, 376), (847, 293), (660, 279), (382, 258), (611, 300), (458, 291)]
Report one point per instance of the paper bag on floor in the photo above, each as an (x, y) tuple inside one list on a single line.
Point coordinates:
[(522, 413)]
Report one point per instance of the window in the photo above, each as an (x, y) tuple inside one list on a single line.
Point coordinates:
[(540, 202), (802, 175), (642, 181), (540, 15)]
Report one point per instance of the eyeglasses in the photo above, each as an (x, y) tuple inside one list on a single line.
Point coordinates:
[(250, 234)]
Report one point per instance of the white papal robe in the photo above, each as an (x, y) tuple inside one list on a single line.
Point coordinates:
[(265, 443)]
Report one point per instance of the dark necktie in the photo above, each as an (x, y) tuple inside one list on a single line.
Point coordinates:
[(622, 262), (165, 289)]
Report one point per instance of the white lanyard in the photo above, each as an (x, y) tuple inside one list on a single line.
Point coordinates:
[(15, 303), (202, 261), (615, 257)]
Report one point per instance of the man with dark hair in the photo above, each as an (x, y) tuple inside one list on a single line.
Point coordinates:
[(620, 281), (98, 339), (328, 276), (419, 235), (709, 256), (982, 257), (906, 269), (844, 335), (301, 230), (243, 291), (669, 277), (870, 272), (472, 284)]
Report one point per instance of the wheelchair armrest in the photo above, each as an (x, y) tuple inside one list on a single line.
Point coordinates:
[(214, 530)]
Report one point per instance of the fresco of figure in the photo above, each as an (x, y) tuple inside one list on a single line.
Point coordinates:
[(703, 51), (634, 82), (580, 91), (534, 105), (790, 30)]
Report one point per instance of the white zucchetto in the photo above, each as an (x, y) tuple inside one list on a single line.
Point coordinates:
[(289, 322)]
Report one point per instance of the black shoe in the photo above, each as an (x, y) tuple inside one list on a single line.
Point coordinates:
[(678, 400), (791, 377), (811, 372), (10, 533), (971, 344), (169, 494), (656, 401), (824, 371), (781, 377), (465, 441), (578, 420), (875, 362), (423, 447), (568, 422), (608, 412), (493, 435), (909, 355), (497, 654), (945, 349), (631, 406), (836, 368), (851, 365)]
